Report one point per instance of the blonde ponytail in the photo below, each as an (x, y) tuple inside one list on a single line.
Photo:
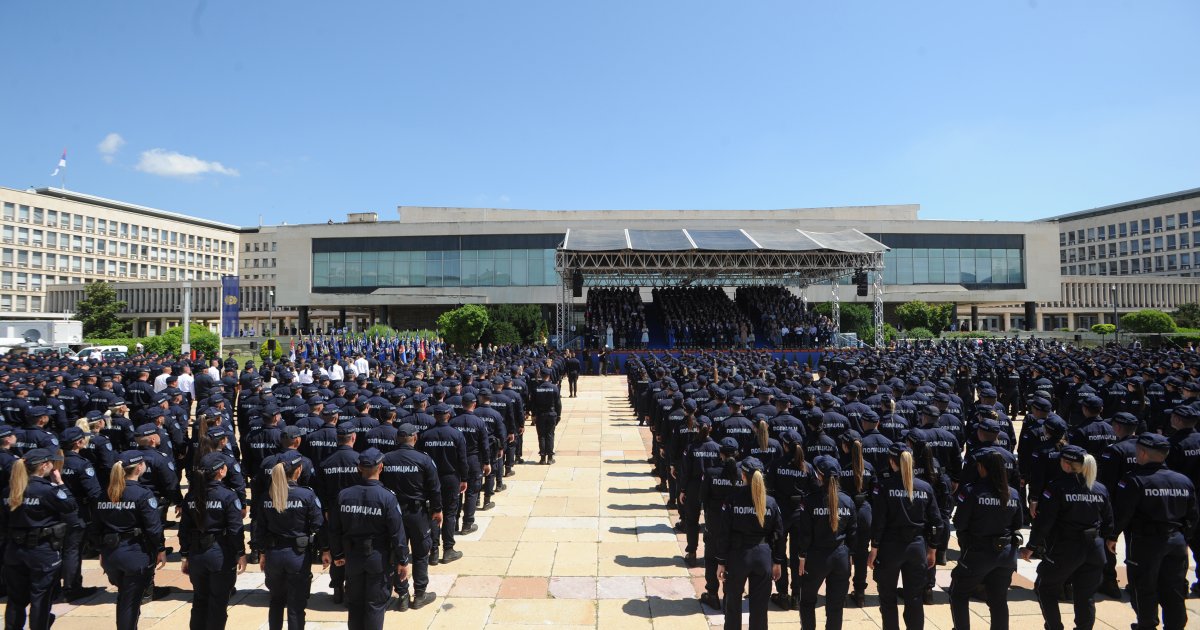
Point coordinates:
[(906, 472), (279, 488), (17, 484), (1086, 468), (758, 492), (832, 483), (856, 462), (116, 483), (763, 435)]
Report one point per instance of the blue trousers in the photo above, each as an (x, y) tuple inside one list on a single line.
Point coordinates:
[(289, 582), (128, 568), (992, 569), (901, 560), (417, 527), (444, 533), (367, 596), (748, 565), (833, 568), (1158, 577), (1078, 564), (32, 578)]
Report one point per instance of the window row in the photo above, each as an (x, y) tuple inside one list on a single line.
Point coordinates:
[(1133, 266), (111, 247), (953, 266), (20, 303), (466, 268), (68, 221), (1132, 228)]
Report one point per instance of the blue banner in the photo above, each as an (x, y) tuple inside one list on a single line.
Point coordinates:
[(231, 306)]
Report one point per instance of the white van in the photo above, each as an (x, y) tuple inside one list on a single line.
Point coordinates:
[(97, 352)]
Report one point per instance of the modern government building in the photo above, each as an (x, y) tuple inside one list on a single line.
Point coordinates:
[(403, 269)]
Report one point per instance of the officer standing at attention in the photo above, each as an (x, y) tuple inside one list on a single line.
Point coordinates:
[(1073, 517), (367, 538), (546, 404), (289, 518), (820, 529), (79, 476), (211, 541), (1156, 509), (38, 513), (447, 447), (572, 365), (413, 477), (752, 526), (987, 523), (338, 472), (904, 516), (721, 477), (479, 456), (130, 532)]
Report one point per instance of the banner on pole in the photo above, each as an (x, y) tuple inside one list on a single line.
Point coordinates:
[(231, 306)]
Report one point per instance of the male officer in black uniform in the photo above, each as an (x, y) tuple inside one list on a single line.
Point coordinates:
[(546, 404), (478, 458), (413, 476), (336, 473), (1156, 509), (367, 540), (448, 449)]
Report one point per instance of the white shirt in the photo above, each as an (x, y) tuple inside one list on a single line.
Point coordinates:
[(186, 384), (361, 366), (160, 382), (212, 371), (336, 373), (305, 377)]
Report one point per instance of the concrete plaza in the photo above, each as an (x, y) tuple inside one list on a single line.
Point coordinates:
[(585, 543)]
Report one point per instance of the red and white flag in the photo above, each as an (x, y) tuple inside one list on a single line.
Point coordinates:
[(62, 163)]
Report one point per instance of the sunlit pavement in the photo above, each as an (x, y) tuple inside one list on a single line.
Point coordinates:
[(584, 543)]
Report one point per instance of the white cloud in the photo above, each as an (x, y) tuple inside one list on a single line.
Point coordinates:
[(174, 164), (109, 146)]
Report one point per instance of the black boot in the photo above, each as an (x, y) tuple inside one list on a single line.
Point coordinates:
[(421, 600), (339, 594), (434, 557), (403, 601)]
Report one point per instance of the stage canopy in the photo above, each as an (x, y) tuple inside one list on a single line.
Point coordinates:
[(719, 257)]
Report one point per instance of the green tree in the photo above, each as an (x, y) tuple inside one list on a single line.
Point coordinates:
[(889, 334), (98, 311), (856, 318), (1188, 315), (919, 333), (264, 351), (501, 333), (379, 330), (463, 326), (1104, 330), (199, 336), (918, 314), (526, 318), (1147, 321)]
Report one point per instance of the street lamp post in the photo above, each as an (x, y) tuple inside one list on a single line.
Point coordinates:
[(1116, 320), (271, 311)]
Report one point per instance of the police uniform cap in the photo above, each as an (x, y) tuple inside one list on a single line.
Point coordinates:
[(791, 436), (849, 435), (370, 458), (988, 413), (131, 458), (5, 430), (217, 433), (270, 410), (1154, 442), (941, 397), (931, 411), (468, 397), (869, 416), (1192, 386), (896, 448), (1183, 411), (155, 412), (292, 432), (485, 392), (159, 398), (36, 412), (850, 389), (212, 462), (1072, 453), (1055, 425), (290, 460), (689, 405), (329, 410), (1041, 404), (986, 451), (751, 465), (407, 429), (1125, 418), (39, 455), (987, 393), (729, 445), (1093, 402), (988, 426), (827, 466), (420, 398), (442, 409), (68, 436), (144, 430), (345, 429), (94, 415)]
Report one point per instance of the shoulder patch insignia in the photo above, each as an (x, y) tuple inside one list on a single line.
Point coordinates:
[(89, 471), (62, 494), (171, 465), (108, 446), (153, 503), (237, 503)]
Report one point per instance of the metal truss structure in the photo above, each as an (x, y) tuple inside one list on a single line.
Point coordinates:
[(632, 268)]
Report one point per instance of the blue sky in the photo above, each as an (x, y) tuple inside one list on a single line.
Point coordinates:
[(301, 111)]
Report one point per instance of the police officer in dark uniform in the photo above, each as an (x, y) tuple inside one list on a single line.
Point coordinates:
[(413, 477), (479, 456), (336, 473), (751, 525), (572, 366), (212, 541), (1185, 460), (987, 522), (367, 538), (38, 513), (289, 518), (79, 476), (721, 477), (546, 405), (904, 515), (1156, 508), (820, 530), (448, 449), (1074, 516), (129, 532)]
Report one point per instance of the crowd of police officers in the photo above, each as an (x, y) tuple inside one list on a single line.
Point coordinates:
[(372, 475), (794, 476), (799, 476)]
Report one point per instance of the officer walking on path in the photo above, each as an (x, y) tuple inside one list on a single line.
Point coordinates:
[(547, 409), (413, 477)]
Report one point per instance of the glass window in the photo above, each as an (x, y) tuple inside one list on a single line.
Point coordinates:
[(1170, 222), (1158, 243), (1123, 229), (1185, 239)]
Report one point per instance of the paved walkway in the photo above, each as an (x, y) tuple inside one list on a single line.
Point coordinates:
[(585, 543)]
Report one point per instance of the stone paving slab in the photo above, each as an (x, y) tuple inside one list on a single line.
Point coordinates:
[(585, 543)]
